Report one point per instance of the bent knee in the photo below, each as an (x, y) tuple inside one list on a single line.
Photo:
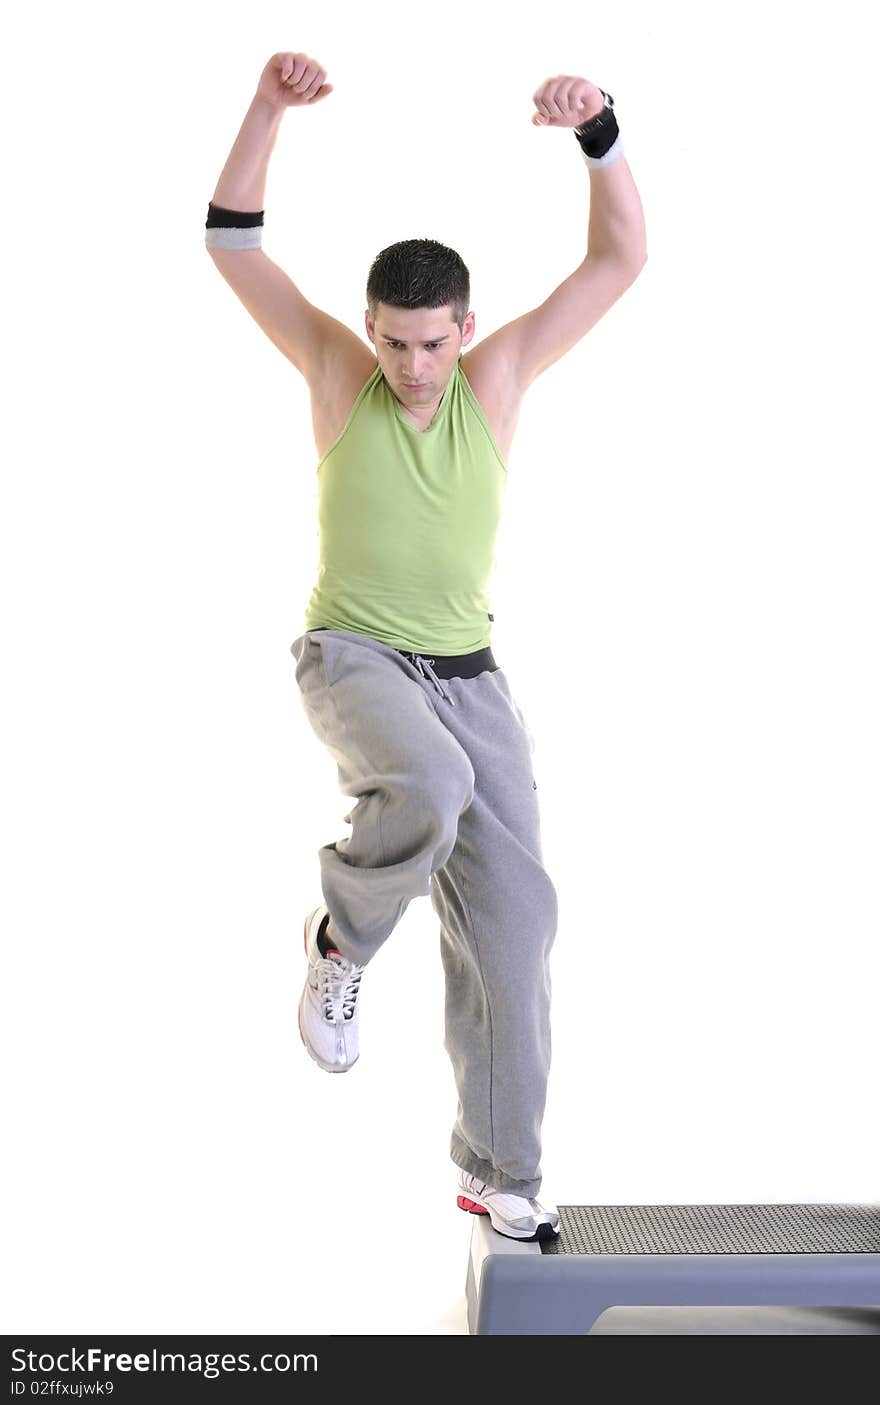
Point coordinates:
[(445, 792)]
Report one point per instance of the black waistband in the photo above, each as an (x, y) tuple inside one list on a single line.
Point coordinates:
[(457, 665), (448, 665)]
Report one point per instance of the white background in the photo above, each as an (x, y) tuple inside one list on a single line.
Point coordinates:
[(685, 599)]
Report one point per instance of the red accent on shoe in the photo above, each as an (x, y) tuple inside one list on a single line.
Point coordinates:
[(475, 1209)]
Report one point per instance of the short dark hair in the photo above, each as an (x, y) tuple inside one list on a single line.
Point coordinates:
[(419, 273)]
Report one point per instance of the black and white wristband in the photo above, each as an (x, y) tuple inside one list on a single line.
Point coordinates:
[(233, 229), (600, 138)]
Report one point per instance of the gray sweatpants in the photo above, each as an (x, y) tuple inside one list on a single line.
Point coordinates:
[(447, 805)]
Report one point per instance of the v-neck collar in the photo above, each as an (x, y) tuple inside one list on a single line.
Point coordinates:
[(442, 408)]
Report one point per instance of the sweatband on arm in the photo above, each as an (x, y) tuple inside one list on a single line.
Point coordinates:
[(600, 138), (233, 229)]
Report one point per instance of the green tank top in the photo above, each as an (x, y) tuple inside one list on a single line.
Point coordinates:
[(407, 520)]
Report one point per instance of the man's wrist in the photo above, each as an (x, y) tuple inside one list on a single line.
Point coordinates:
[(272, 108), (599, 137)]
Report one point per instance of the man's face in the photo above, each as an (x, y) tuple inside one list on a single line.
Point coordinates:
[(419, 344)]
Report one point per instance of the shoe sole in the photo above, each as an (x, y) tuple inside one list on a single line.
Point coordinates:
[(328, 1068), (476, 1207)]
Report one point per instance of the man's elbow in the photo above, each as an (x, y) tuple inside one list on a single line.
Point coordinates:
[(631, 261)]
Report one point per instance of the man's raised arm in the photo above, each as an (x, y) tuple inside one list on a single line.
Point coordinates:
[(233, 231), (616, 242)]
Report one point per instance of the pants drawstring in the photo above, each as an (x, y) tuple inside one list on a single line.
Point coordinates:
[(427, 671)]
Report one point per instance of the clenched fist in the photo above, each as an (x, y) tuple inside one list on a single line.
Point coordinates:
[(293, 80), (566, 102)]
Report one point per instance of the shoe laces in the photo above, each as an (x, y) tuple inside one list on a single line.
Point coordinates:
[(340, 983)]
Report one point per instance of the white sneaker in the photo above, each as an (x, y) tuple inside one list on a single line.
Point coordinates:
[(328, 1013), (511, 1215)]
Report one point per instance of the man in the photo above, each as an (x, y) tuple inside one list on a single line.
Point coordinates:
[(395, 667)]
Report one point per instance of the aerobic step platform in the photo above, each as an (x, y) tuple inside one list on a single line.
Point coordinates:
[(822, 1257)]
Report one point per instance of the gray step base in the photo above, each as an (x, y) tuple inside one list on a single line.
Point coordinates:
[(776, 1269)]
